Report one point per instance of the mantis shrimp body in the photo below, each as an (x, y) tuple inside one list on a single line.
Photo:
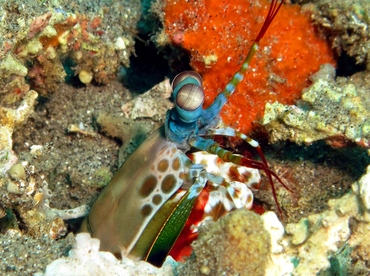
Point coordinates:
[(144, 208)]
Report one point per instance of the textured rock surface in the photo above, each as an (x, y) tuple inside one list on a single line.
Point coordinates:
[(237, 244), (50, 41), (348, 22), (330, 110)]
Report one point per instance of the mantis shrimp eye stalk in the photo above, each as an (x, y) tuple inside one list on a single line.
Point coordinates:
[(187, 77), (189, 96)]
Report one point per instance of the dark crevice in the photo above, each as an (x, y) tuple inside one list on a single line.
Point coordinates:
[(346, 66), (21, 224), (351, 159), (147, 67), (152, 63), (71, 77)]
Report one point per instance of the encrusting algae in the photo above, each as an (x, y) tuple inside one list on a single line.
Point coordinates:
[(348, 21)]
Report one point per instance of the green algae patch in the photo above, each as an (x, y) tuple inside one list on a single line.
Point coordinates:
[(102, 176)]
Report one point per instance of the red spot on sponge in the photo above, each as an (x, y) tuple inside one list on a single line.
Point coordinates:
[(218, 35)]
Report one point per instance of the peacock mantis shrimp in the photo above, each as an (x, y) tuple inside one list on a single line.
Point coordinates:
[(140, 214)]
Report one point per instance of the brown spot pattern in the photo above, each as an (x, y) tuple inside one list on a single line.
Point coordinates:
[(148, 186), (176, 164), (157, 199), (163, 165), (168, 183), (146, 210)]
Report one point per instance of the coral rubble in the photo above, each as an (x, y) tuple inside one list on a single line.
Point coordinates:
[(331, 110), (57, 158), (11, 118), (48, 42), (152, 104), (348, 22), (315, 238), (45, 44), (246, 244)]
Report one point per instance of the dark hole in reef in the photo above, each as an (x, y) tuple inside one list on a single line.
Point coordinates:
[(73, 225), (71, 77), (147, 67), (20, 222), (9, 221), (347, 66), (41, 106), (151, 63)]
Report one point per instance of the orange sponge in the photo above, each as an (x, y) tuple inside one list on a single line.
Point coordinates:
[(218, 35)]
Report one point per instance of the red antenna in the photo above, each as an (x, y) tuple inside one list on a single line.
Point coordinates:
[(274, 9)]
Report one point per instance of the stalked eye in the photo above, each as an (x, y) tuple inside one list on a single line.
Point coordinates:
[(190, 97), (191, 76)]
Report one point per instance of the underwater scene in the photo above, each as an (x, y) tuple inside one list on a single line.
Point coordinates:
[(183, 137)]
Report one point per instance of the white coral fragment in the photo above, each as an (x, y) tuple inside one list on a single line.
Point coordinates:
[(10, 118), (85, 259), (152, 104), (280, 263), (10, 66), (364, 189)]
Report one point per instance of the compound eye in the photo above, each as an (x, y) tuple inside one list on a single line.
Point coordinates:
[(190, 97), (194, 76)]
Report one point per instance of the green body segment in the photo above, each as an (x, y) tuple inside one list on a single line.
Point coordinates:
[(144, 246), (179, 212)]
